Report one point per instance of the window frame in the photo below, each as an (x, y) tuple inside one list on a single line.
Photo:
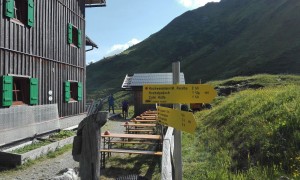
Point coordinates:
[(74, 36), (73, 91), (19, 90), (20, 11)]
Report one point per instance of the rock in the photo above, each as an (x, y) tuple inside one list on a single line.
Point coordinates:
[(70, 174)]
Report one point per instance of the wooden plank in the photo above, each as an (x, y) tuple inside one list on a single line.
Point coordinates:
[(158, 153), (131, 142)]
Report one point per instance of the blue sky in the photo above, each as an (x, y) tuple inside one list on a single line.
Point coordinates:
[(123, 23)]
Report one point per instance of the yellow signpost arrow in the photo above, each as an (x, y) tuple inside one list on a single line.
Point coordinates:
[(181, 93), (180, 120)]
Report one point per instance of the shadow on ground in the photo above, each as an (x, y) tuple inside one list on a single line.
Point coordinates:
[(146, 166)]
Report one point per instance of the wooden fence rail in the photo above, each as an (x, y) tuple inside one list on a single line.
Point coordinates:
[(167, 156)]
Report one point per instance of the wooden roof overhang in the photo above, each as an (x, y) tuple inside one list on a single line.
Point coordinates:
[(95, 3), (89, 42)]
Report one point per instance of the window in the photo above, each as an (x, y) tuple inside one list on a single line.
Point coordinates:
[(19, 90), (73, 91), (20, 10), (74, 36)]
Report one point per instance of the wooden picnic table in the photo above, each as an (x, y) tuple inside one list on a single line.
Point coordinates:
[(107, 141)]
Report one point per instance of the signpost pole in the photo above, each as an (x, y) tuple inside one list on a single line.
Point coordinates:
[(177, 133)]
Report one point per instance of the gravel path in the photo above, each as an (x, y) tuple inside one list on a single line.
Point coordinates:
[(45, 169), (50, 168)]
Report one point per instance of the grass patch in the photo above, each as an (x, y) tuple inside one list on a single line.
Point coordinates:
[(130, 111), (31, 147), (253, 134), (52, 138), (119, 96), (63, 134), (29, 163), (122, 165)]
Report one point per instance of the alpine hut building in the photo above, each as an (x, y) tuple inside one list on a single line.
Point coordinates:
[(42, 66), (135, 84)]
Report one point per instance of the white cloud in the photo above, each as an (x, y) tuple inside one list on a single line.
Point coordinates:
[(118, 48), (193, 4)]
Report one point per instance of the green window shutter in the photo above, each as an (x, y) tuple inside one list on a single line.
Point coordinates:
[(70, 29), (79, 91), (34, 91), (30, 17), (7, 90), (79, 38), (9, 8), (67, 91)]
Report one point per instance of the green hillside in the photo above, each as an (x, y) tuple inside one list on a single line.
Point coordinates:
[(251, 134), (217, 41)]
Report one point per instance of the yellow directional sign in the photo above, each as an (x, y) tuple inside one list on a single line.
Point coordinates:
[(180, 120), (180, 93)]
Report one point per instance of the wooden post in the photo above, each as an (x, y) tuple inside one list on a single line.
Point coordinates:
[(177, 134), (88, 147)]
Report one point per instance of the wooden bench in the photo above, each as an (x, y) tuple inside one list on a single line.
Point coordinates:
[(128, 151), (148, 115), (145, 118), (122, 143), (150, 112), (141, 126), (132, 131), (143, 121)]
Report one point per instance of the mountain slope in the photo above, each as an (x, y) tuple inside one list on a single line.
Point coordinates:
[(219, 40)]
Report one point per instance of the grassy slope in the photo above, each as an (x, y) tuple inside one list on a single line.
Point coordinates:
[(252, 134), (264, 80), (217, 41)]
